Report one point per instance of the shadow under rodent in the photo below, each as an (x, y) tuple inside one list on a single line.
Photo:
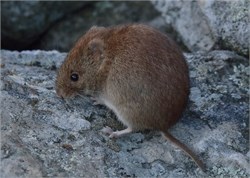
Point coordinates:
[(136, 71)]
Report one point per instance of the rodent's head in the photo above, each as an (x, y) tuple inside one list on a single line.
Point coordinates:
[(77, 75)]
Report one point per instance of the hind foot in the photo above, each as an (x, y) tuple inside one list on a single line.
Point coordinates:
[(116, 134)]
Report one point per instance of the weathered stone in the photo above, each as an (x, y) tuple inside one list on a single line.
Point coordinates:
[(229, 22), (41, 135), (64, 34), (23, 22), (207, 25), (50, 25)]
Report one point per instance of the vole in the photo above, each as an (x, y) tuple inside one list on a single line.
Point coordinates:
[(136, 71)]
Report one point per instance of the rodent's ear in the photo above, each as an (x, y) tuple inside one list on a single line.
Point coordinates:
[(95, 47)]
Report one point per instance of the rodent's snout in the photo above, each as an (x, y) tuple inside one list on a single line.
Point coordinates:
[(59, 89), (65, 93), (59, 92)]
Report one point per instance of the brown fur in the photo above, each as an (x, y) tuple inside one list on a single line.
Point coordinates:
[(135, 70)]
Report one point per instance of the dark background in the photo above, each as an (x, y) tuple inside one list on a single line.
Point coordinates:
[(57, 25)]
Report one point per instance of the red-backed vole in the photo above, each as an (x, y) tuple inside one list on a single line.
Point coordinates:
[(136, 71)]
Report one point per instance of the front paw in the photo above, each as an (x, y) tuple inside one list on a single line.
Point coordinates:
[(95, 101)]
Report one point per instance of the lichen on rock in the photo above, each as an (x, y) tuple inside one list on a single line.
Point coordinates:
[(41, 135)]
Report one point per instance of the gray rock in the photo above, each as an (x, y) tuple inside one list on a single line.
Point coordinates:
[(205, 25), (63, 35), (50, 25), (229, 22), (22, 23), (41, 135), (189, 22)]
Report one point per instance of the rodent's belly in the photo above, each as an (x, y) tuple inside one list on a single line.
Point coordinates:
[(141, 103), (111, 106), (137, 116)]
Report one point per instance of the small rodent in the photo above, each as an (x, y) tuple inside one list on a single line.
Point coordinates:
[(136, 71)]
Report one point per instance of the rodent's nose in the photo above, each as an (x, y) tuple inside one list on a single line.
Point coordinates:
[(59, 93), (61, 97)]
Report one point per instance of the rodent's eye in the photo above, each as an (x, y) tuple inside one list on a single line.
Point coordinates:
[(74, 77)]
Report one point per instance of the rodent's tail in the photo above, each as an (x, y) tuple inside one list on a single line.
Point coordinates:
[(174, 140)]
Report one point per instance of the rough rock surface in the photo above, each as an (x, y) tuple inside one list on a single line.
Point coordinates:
[(57, 25), (206, 25), (63, 35), (41, 135), (22, 23)]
